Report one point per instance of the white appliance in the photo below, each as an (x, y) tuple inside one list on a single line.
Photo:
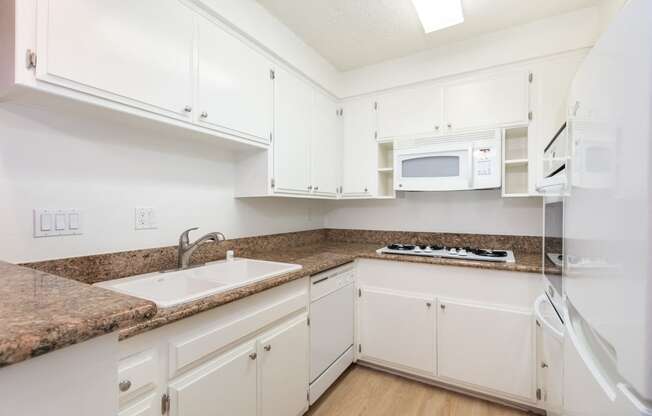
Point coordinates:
[(460, 253), (331, 327), (607, 272), (456, 162), (550, 348)]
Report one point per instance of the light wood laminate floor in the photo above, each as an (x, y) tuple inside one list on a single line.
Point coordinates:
[(365, 392)]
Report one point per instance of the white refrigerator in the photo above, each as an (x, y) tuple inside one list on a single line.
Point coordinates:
[(607, 273)]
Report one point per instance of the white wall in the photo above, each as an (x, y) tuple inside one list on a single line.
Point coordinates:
[(550, 36), (106, 169), (477, 212)]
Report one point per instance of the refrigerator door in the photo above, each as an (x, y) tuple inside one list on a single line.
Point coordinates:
[(607, 221), (591, 385)]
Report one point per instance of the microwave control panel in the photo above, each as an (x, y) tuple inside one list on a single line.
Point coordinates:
[(486, 166)]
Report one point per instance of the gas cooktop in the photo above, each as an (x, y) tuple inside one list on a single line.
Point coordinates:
[(462, 253)]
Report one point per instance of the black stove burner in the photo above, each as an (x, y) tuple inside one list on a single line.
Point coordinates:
[(436, 247), (402, 247), (488, 253)]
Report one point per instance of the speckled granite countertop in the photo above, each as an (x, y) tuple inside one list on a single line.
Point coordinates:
[(40, 312), (314, 259)]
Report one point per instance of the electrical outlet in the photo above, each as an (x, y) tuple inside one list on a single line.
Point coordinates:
[(145, 218)]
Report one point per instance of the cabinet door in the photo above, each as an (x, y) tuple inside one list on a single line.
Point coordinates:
[(149, 406), (225, 386), (397, 329), (487, 347), (413, 112), (235, 87), (497, 100), (138, 52), (359, 149), (324, 146), (284, 365), (294, 101)]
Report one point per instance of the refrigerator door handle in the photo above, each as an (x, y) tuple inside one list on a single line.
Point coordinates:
[(539, 314)]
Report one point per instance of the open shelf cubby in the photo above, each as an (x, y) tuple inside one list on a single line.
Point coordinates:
[(515, 162), (386, 170)]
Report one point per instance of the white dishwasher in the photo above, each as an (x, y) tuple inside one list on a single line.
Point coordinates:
[(331, 327)]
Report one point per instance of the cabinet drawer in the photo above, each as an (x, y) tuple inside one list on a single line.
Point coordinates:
[(137, 374), (324, 283), (191, 347)]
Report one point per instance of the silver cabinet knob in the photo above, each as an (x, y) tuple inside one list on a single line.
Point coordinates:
[(187, 109), (366, 190), (400, 185), (124, 385), (204, 114), (428, 304), (449, 125), (310, 187), (544, 365), (437, 128), (268, 347), (253, 355), (316, 188), (442, 306)]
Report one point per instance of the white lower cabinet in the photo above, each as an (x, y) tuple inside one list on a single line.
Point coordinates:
[(283, 370), (398, 329), (148, 406), (486, 346), (225, 386)]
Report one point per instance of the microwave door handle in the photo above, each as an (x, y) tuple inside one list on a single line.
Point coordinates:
[(470, 167)]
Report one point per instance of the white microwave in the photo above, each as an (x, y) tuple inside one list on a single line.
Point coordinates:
[(448, 163)]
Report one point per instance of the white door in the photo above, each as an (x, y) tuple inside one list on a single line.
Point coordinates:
[(235, 87), (487, 347), (293, 112), (412, 112), (283, 381), (492, 101), (359, 148), (225, 386), (135, 52), (397, 329), (324, 149)]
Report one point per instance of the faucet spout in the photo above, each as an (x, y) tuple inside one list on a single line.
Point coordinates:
[(186, 248)]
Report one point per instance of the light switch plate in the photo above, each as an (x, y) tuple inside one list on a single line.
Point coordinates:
[(145, 218), (57, 222)]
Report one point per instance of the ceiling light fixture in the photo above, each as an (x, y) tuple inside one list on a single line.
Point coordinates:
[(439, 14)]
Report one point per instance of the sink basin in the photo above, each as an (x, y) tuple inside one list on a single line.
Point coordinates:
[(181, 286)]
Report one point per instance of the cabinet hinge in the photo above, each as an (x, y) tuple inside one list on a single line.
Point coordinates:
[(359, 347), (272, 182), (375, 105), (341, 112), (308, 395), (375, 135), (530, 77), (530, 116), (359, 293), (308, 321), (165, 404), (272, 74), (271, 136), (538, 394), (30, 59)]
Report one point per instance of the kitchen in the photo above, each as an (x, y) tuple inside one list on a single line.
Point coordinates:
[(407, 208)]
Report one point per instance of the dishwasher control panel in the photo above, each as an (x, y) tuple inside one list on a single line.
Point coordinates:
[(327, 282)]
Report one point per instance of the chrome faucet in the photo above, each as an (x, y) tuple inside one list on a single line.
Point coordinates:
[(186, 248)]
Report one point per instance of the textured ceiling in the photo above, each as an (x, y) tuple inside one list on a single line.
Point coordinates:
[(355, 33)]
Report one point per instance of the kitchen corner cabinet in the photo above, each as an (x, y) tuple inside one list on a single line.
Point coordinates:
[(500, 99), (235, 87), (116, 50), (359, 148), (397, 328), (486, 346)]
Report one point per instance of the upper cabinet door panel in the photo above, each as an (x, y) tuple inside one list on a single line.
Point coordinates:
[(496, 100), (293, 111), (359, 153), (235, 90), (135, 52), (410, 112), (324, 146)]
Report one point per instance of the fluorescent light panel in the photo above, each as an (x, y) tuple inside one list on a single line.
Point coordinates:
[(439, 14)]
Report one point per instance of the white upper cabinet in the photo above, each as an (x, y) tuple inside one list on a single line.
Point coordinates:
[(284, 370), (497, 100), (359, 149), (324, 146), (486, 347), (235, 90), (294, 109), (134, 52), (398, 329), (412, 112)]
